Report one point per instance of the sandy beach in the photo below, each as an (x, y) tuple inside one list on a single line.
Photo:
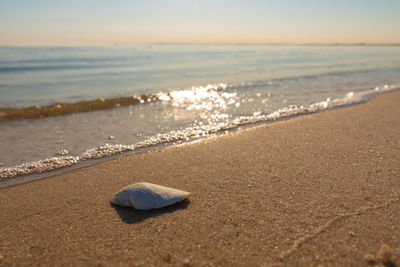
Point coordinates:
[(317, 189)]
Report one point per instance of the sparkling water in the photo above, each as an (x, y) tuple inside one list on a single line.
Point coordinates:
[(200, 90)]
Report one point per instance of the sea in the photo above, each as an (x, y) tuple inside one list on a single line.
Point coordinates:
[(198, 91)]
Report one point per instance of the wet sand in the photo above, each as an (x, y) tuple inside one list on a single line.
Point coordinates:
[(317, 189)]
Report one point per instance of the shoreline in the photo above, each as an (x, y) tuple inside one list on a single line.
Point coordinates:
[(317, 189), (33, 170), (27, 178)]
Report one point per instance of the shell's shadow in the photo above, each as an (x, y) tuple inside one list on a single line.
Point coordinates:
[(132, 216)]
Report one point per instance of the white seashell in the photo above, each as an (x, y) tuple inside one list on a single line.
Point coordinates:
[(146, 196)]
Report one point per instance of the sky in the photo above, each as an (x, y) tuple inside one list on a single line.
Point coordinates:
[(108, 22)]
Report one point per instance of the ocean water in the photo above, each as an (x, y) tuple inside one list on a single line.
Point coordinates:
[(201, 90)]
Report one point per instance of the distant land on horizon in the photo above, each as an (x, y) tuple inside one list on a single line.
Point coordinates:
[(278, 44)]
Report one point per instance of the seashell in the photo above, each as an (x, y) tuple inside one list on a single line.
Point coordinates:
[(146, 196)]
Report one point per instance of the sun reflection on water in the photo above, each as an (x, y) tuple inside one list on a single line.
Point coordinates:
[(201, 98)]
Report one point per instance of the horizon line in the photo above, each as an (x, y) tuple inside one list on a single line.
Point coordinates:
[(213, 43)]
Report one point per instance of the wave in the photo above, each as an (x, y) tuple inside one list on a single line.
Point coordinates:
[(45, 68), (189, 133), (60, 109)]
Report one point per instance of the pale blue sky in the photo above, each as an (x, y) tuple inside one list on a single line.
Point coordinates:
[(105, 22)]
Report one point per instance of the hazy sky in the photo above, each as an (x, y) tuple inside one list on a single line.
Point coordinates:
[(105, 22)]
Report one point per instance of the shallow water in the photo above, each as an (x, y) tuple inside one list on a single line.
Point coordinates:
[(200, 90)]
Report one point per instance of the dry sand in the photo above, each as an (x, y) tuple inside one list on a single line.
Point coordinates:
[(318, 189)]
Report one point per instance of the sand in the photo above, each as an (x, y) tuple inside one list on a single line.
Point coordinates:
[(317, 189)]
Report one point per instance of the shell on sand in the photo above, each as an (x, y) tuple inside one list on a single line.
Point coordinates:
[(146, 196)]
